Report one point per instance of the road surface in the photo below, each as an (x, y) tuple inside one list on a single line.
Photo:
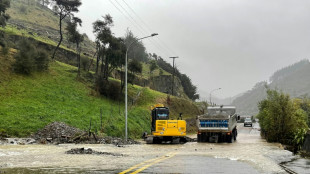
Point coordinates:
[(249, 154)]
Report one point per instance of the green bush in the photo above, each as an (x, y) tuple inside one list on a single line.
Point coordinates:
[(28, 59), (25, 63), (84, 62), (41, 60), (281, 118), (23, 9), (110, 89)]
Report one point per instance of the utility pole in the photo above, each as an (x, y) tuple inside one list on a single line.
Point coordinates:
[(211, 93), (173, 74), (126, 83)]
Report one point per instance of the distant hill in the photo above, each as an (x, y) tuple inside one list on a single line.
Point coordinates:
[(293, 80)]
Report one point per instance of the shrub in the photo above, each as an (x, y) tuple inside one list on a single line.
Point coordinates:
[(23, 9), (28, 59), (5, 50), (110, 89), (41, 60), (84, 62), (25, 63), (281, 118)]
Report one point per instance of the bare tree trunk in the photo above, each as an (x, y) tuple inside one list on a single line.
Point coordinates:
[(98, 59), (61, 37), (78, 59)]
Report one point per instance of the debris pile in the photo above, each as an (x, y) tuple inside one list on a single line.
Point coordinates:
[(57, 132), (117, 141), (90, 151)]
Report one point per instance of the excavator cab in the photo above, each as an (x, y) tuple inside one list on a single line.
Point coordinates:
[(159, 113), (163, 129)]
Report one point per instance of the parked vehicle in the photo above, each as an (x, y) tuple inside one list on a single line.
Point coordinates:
[(218, 125), (248, 121), (164, 129)]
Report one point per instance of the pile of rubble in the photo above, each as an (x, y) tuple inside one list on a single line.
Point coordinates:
[(116, 141), (58, 133), (90, 151)]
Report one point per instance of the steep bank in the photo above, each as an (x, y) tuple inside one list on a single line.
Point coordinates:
[(28, 103)]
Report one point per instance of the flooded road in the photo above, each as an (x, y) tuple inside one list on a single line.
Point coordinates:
[(249, 154)]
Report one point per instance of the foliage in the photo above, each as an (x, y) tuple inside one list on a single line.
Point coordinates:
[(85, 62), (41, 60), (64, 8), (23, 9), (288, 70), (135, 66), (299, 138), (189, 89), (280, 117), (28, 59), (4, 5), (137, 50), (75, 37), (153, 66)]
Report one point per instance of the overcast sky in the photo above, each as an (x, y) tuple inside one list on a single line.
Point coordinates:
[(231, 44)]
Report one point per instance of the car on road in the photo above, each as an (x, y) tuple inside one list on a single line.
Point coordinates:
[(248, 121)]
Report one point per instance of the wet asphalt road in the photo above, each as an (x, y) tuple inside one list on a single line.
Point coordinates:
[(249, 154)]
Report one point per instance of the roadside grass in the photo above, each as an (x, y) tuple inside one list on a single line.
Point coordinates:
[(28, 103)]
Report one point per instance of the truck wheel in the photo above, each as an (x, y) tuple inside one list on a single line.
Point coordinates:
[(230, 138), (235, 135), (198, 137)]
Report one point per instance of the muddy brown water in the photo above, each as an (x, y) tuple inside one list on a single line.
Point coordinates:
[(249, 154)]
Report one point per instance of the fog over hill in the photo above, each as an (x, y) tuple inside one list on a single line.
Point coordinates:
[(293, 80)]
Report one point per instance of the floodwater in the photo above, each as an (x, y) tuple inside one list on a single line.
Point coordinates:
[(249, 154)]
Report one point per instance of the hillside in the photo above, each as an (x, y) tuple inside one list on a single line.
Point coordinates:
[(293, 80), (32, 20), (42, 21), (28, 103)]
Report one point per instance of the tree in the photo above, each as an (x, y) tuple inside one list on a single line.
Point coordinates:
[(135, 66), (153, 66), (281, 118), (64, 8), (137, 51), (4, 5), (102, 30), (75, 37)]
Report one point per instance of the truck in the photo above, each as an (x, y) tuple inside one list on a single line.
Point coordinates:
[(219, 124), (164, 129)]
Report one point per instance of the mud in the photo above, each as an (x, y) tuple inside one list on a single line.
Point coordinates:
[(90, 151)]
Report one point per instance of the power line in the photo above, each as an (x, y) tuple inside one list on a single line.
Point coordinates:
[(165, 46), (135, 23)]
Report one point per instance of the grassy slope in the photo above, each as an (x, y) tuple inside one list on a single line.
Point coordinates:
[(38, 18), (28, 103)]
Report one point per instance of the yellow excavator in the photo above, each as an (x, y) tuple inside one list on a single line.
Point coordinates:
[(164, 129)]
